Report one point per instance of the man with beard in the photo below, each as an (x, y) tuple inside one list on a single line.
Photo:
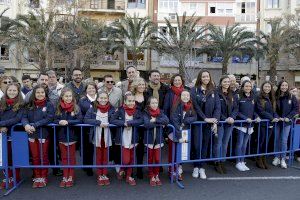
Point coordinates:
[(131, 73), (42, 80), (76, 85), (156, 88)]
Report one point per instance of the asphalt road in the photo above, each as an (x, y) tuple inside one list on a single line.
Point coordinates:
[(265, 184)]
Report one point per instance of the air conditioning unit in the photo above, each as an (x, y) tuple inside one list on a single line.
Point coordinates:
[(172, 16)]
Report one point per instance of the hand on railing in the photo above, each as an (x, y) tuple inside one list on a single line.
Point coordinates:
[(275, 120), (63, 122), (230, 120), (29, 129), (257, 120), (211, 120), (249, 120), (3, 130), (104, 125)]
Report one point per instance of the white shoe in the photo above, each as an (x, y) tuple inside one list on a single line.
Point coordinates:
[(240, 167), (180, 170), (276, 161), (283, 164), (298, 159), (245, 167), (202, 173), (196, 172)]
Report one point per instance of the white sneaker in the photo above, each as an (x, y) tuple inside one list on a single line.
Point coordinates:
[(298, 159), (240, 167), (283, 164), (276, 161), (245, 167), (202, 173), (180, 170), (196, 172)]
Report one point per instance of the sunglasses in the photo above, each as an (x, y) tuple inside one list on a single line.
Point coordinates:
[(6, 82), (111, 82)]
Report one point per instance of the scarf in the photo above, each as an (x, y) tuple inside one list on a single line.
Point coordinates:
[(154, 113), (103, 108), (155, 89), (129, 111), (91, 98), (67, 107), (10, 102), (177, 91), (40, 103), (187, 106)]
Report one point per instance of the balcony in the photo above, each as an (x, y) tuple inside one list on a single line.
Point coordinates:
[(140, 66), (245, 18), (106, 64), (136, 5), (106, 6)]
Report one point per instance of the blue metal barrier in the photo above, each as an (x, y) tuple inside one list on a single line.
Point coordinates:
[(21, 151), (4, 157)]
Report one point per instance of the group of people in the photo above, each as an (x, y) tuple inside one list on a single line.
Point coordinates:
[(153, 105)]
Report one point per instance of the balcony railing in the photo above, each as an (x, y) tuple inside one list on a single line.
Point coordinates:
[(103, 6), (4, 57), (141, 64), (106, 64)]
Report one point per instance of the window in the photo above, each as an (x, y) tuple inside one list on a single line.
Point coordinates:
[(34, 3), (168, 4), (212, 9), (4, 52), (111, 4), (193, 6), (298, 2), (272, 3), (243, 10), (94, 4)]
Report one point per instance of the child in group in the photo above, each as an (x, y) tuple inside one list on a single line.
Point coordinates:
[(67, 113), (182, 115), (11, 111), (153, 139), (287, 108), (246, 104), (129, 117), (39, 112), (99, 116)]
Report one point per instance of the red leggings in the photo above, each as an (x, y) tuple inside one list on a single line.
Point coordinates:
[(127, 159), (170, 146), (153, 158), (68, 172), (39, 153), (101, 159)]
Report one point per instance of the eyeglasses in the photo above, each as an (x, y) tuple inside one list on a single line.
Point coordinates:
[(111, 82), (7, 82)]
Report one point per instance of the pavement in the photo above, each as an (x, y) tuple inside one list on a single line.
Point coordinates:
[(256, 184)]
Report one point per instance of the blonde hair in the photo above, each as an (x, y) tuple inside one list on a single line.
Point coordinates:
[(135, 84)]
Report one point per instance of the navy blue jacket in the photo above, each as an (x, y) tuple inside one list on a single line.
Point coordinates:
[(227, 109), (8, 117), (287, 106), (118, 119), (206, 106), (161, 120), (85, 104), (39, 117), (73, 119), (177, 120), (90, 116), (265, 110), (168, 102), (246, 108)]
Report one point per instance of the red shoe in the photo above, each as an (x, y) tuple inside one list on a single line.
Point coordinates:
[(180, 177), (130, 181), (152, 182), (106, 180), (42, 183), (70, 182), (121, 175), (36, 183), (158, 181), (63, 182), (100, 181), (10, 183)]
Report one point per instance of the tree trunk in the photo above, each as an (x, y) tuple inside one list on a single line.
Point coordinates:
[(181, 69), (224, 66), (272, 71)]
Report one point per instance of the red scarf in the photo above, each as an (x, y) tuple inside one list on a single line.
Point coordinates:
[(177, 92), (129, 111), (103, 108), (154, 113), (187, 106), (40, 103), (10, 102), (67, 107)]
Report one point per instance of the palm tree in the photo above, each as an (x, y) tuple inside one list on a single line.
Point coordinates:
[(230, 42), (179, 41), (34, 32), (272, 43), (132, 34)]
